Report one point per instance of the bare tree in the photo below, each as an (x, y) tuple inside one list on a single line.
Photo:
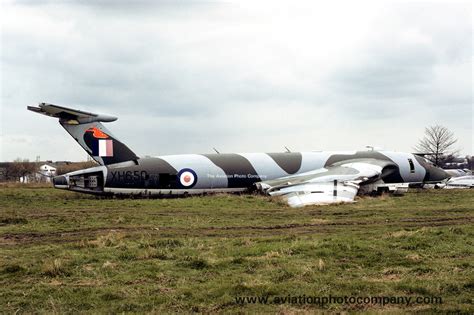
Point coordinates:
[(437, 143), (21, 168)]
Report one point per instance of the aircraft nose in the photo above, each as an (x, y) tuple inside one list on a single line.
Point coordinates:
[(60, 181), (437, 174)]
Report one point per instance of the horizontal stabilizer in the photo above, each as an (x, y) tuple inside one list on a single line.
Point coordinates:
[(69, 115)]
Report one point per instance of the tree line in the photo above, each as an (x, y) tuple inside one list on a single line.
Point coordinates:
[(24, 170)]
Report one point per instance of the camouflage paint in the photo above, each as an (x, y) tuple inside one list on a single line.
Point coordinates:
[(124, 172)]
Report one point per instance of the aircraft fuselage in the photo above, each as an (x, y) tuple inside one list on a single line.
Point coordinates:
[(201, 173)]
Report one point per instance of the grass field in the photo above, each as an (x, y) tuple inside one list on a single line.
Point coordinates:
[(66, 252)]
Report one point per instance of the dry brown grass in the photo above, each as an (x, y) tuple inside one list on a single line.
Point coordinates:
[(25, 185), (54, 268)]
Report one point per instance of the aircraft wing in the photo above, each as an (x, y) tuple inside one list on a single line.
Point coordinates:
[(332, 184), (459, 182)]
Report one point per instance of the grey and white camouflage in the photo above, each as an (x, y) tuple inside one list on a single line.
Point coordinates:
[(302, 178)]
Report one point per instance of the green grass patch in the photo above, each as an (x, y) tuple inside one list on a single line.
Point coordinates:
[(66, 253)]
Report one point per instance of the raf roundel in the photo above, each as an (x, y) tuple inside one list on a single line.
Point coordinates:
[(187, 178)]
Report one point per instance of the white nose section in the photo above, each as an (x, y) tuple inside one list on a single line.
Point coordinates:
[(319, 194)]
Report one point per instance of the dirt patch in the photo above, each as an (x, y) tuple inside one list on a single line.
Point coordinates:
[(227, 231)]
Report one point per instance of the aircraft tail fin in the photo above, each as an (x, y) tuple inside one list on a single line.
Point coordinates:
[(87, 129)]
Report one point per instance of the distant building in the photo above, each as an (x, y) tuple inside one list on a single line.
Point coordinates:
[(42, 171), (46, 171)]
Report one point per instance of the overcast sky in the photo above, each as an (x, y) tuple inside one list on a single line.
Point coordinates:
[(184, 77)]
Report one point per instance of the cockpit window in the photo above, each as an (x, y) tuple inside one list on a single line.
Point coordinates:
[(412, 166)]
